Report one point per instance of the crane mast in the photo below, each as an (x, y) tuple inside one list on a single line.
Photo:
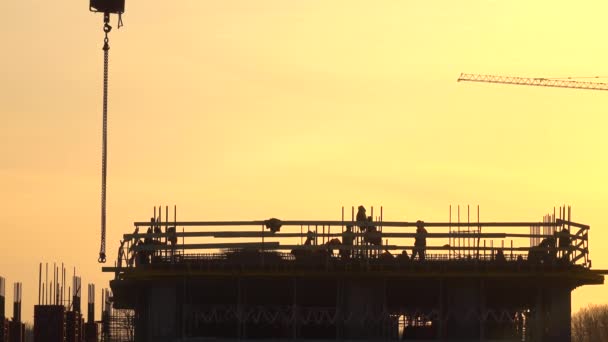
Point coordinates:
[(539, 82)]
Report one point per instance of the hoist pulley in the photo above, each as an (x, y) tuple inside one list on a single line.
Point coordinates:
[(107, 6)]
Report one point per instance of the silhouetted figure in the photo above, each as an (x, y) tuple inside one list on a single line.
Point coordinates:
[(403, 256), (314, 254), (372, 235), (500, 256), (331, 244), (420, 241), (361, 217), (551, 246), (135, 243), (273, 224), (157, 229), (370, 225), (564, 243), (386, 256), (535, 255), (143, 257), (543, 253), (148, 239), (348, 237), (310, 238), (172, 238), (547, 251)]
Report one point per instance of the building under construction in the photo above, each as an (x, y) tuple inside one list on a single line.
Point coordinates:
[(58, 316), (361, 278), (11, 330)]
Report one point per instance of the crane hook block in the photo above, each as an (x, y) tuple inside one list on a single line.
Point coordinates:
[(107, 6)]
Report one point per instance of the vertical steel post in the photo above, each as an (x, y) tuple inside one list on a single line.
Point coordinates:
[(482, 310), (239, 309), (323, 236), (459, 237), (2, 300), (62, 283), (294, 310), (468, 243), (442, 315), (39, 283), (17, 303), (342, 219), (91, 303)]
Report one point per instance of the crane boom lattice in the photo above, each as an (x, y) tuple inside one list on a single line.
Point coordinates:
[(539, 82)]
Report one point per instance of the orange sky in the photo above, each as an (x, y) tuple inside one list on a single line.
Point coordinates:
[(249, 109)]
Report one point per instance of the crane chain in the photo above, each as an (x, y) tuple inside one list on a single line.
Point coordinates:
[(104, 148)]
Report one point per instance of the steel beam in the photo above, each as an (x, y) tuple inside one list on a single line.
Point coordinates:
[(347, 223)]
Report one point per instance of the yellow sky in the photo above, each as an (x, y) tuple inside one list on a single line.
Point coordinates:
[(249, 109)]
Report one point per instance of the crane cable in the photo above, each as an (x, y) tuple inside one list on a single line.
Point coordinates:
[(104, 147)]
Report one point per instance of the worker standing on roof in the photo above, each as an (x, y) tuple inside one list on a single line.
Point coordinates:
[(564, 243), (420, 241), (347, 240), (311, 238), (361, 218)]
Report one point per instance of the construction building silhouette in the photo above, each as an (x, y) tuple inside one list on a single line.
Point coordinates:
[(478, 280)]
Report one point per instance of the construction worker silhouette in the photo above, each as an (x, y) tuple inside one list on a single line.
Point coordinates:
[(361, 217), (420, 241)]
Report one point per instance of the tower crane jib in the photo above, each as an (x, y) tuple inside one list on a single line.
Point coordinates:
[(539, 82)]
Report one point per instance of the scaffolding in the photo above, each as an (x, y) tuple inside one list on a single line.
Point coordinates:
[(118, 326), (482, 241)]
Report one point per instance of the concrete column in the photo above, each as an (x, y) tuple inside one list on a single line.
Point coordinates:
[(463, 302), (17, 302), (558, 308), (141, 315), (2, 300), (339, 309), (294, 332), (482, 310), (162, 314), (91, 303), (76, 287), (538, 321), (442, 316), (363, 299)]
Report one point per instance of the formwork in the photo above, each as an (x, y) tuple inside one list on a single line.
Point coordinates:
[(118, 326), (490, 281), (91, 327)]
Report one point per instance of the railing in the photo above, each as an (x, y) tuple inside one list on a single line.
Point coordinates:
[(568, 243)]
